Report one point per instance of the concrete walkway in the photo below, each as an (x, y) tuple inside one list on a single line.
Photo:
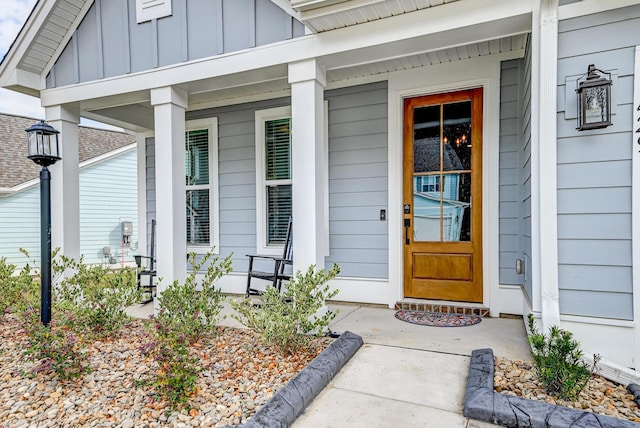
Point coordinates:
[(404, 375), (407, 375)]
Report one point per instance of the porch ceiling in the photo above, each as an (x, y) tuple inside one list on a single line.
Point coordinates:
[(326, 15), (136, 113)]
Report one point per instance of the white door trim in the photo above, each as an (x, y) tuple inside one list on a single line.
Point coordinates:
[(478, 72), (635, 210)]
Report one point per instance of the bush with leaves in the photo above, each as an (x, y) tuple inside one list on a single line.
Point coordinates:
[(558, 363), (288, 320), (18, 290), (193, 308), (188, 311), (97, 295), (55, 348), (177, 372)]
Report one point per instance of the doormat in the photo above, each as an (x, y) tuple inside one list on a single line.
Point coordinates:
[(437, 319)]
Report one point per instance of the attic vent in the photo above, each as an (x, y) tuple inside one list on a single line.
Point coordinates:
[(146, 10)]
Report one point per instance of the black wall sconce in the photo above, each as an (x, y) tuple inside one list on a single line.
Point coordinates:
[(594, 99)]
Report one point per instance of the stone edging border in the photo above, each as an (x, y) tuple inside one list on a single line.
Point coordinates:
[(290, 401), (481, 402)]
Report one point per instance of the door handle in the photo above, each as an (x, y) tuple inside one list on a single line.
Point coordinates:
[(407, 225)]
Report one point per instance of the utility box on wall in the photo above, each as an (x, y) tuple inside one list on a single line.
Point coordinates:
[(127, 228), (127, 232)]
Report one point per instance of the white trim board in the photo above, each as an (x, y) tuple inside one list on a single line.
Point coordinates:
[(635, 209), (142, 191)]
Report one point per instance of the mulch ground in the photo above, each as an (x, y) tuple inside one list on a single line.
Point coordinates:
[(240, 375), (516, 377)]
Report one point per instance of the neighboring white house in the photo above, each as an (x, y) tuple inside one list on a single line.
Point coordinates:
[(313, 108), (108, 194)]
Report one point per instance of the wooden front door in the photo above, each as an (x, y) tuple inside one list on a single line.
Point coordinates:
[(443, 196)]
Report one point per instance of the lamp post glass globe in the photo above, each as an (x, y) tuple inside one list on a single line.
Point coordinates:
[(43, 145)]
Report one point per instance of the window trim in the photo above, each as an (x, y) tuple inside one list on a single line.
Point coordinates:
[(210, 124), (262, 116)]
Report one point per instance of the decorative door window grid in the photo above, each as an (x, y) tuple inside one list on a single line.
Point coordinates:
[(442, 172)]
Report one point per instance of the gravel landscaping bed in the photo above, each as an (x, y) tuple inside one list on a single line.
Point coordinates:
[(240, 375), (601, 396)]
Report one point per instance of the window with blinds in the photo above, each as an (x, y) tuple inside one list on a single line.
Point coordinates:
[(196, 164), (277, 179)]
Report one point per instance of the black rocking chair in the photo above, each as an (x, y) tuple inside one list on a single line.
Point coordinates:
[(279, 273), (146, 271)]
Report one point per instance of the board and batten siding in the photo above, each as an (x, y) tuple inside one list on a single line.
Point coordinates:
[(108, 195), (109, 42), (594, 169), (358, 180)]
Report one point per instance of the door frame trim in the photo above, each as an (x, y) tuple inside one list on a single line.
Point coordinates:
[(480, 72)]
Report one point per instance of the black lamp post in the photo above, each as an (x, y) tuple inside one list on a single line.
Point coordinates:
[(44, 150)]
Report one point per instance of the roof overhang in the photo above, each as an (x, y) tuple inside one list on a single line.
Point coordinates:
[(326, 15), (39, 43), (401, 34)]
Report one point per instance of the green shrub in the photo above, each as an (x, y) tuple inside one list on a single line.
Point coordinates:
[(287, 320), (558, 363), (176, 376), (56, 348), (18, 291), (193, 308), (187, 312), (95, 294)]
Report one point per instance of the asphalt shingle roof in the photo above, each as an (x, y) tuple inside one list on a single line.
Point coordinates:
[(16, 168)]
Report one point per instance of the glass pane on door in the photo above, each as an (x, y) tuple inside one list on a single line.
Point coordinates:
[(442, 172)]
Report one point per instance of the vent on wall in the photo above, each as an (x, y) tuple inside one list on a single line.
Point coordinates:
[(146, 10)]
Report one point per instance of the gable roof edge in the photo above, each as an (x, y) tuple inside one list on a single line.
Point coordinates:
[(22, 79), (8, 191)]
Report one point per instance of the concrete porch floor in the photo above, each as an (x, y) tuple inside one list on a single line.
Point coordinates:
[(404, 375)]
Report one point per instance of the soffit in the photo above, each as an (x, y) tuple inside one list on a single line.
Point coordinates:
[(205, 94), (51, 36), (515, 43), (326, 15)]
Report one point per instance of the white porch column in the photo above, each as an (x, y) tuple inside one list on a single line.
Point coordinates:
[(544, 210), (65, 182), (308, 80), (171, 241)]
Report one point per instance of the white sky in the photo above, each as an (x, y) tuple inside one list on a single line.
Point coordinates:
[(13, 14)]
